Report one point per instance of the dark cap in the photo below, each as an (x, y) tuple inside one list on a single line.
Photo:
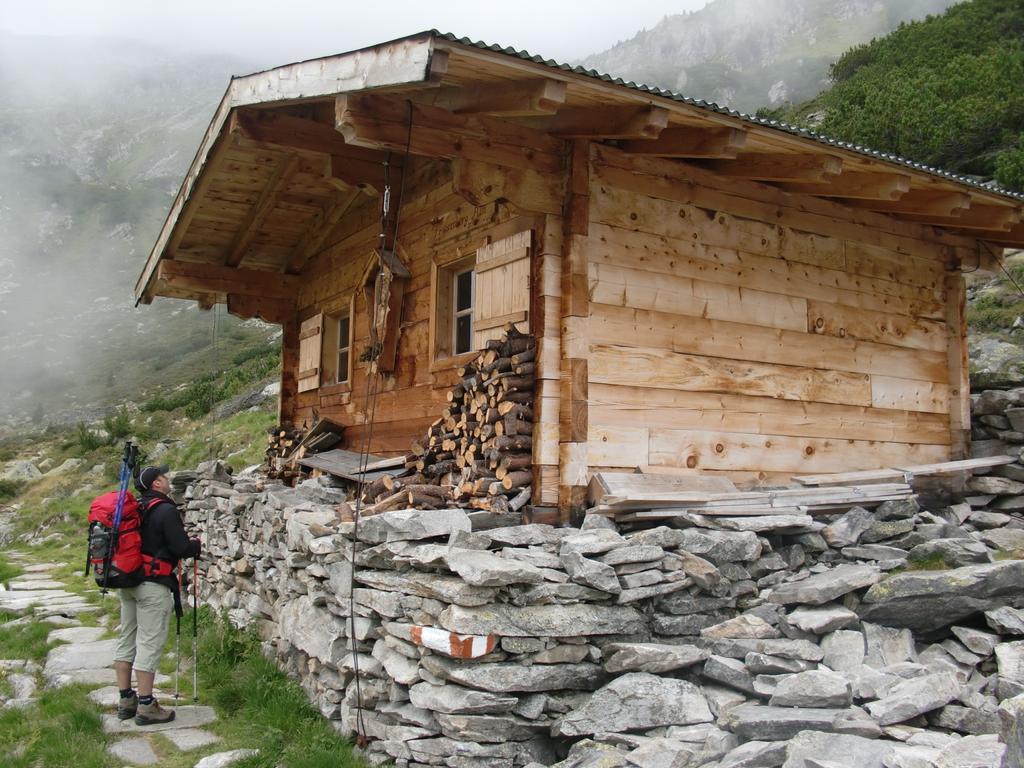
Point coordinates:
[(149, 474)]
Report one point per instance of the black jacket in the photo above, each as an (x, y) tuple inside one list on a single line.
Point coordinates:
[(163, 534)]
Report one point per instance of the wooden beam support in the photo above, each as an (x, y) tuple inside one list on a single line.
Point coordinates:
[(321, 226), (214, 278), (345, 173), (858, 185), (814, 168), (983, 217), (520, 98), (250, 226), (920, 201), (709, 143), (1014, 238), (959, 372), (277, 311), (289, 368), (604, 123)]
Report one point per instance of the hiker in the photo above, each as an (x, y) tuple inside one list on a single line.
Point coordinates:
[(146, 609)]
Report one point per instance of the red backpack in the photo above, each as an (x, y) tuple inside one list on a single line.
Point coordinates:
[(116, 557)]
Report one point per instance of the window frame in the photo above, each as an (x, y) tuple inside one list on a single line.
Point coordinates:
[(346, 350), (457, 313), (331, 350), (443, 276)]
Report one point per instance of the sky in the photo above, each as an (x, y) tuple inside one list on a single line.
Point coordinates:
[(276, 32)]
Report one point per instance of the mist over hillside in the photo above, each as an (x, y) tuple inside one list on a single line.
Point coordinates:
[(746, 54), (95, 136)]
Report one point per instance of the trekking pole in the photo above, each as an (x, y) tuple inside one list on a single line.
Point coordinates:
[(195, 629), (177, 646)]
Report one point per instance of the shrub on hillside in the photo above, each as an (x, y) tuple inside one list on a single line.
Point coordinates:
[(87, 439), (118, 424)]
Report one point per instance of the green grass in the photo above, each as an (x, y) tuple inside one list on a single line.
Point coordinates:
[(934, 562), (7, 570), (25, 641), (63, 730)]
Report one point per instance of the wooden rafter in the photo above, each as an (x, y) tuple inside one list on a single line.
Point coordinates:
[(921, 201), (276, 311), (858, 185), (214, 278), (198, 192), (645, 122), (813, 168), (249, 227), (710, 143), (979, 216), (344, 173), (1013, 238), (518, 98), (319, 229)]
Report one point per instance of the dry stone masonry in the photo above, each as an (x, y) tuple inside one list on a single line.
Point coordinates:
[(883, 638)]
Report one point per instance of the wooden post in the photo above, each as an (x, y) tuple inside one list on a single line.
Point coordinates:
[(959, 372), (289, 369), (575, 308)]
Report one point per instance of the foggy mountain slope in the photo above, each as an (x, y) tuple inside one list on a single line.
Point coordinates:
[(746, 54), (95, 136)]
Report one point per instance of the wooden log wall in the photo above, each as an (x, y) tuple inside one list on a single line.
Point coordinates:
[(735, 328), (443, 220)]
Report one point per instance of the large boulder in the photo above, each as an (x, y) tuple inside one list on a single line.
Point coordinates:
[(824, 587), (924, 601), (636, 701)]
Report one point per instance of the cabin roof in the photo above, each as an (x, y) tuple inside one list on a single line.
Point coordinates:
[(275, 168)]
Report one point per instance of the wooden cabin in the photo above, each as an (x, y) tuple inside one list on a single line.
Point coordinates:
[(711, 292)]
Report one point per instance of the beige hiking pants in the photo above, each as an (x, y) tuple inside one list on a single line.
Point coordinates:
[(145, 619)]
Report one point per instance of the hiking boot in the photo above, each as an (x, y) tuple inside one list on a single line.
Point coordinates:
[(127, 706), (151, 714)]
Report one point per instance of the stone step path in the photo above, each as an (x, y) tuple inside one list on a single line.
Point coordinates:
[(85, 655)]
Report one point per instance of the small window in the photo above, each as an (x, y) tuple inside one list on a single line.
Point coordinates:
[(344, 347), (463, 306)]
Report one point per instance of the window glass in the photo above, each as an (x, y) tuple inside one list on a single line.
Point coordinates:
[(343, 348), (464, 291), (463, 334)]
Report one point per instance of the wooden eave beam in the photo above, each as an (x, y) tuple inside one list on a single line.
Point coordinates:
[(710, 143), (250, 226), (628, 122), (214, 278), (810, 168), (518, 98), (1013, 238), (857, 185), (319, 229), (344, 173), (276, 311), (980, 216), (920, 201)]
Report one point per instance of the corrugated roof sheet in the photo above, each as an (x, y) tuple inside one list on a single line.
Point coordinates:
[(752, 119)]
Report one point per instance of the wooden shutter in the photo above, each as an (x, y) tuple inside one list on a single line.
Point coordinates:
[(311, 337), (502, 292)]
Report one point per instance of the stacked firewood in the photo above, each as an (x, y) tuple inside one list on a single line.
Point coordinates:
[(281, 443), (478, 454)]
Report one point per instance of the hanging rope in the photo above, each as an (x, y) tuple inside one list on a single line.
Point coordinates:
[(373, 384)]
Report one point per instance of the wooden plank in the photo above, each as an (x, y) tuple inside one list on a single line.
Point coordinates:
[(516, 98), (939, 468), (253, 221), (617, 406), (710, 143), (898, 330), (662, 369), (607, 122), (909, 395), (715, 338), (218, 279), (875, 261), (286, 406), (863, 186), (777, 453), (959, 366), (815, 167), (629, 483)]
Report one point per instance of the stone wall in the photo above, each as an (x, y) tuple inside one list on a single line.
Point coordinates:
[(532, 645)]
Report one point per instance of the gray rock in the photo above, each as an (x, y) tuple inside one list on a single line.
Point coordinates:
[(185, 716), (71, 659), (927, 600), (593, 542), (542, 620), (413, 524), (513, 677), (1010, 660), (767, 723), (763, 664), (524, 535), (848, 529), (972, 752), (967, 720), (825, 587), (730, 672), (786, 649), (225, 759), (914, 697), (589, 572), (650, 657), (951, 552), (755, 754), (810, 747), (814, 688), (721, 546), (1011, 716), (447, 589), (982, 643), (1006, 620), (703, 572), (887, 529), (636, 700), (995, 485), (662, 753), (885, 646), (874, 552), (489, 728), (897, 509), (844, 650), (452, 699), (1005, 539), (634, 553), (821, 619), (20, 470), (134, 751), (313, 630), (187, 739), (484, 569), (742, 626)]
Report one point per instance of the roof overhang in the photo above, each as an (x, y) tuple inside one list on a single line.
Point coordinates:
[(314, 121)]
